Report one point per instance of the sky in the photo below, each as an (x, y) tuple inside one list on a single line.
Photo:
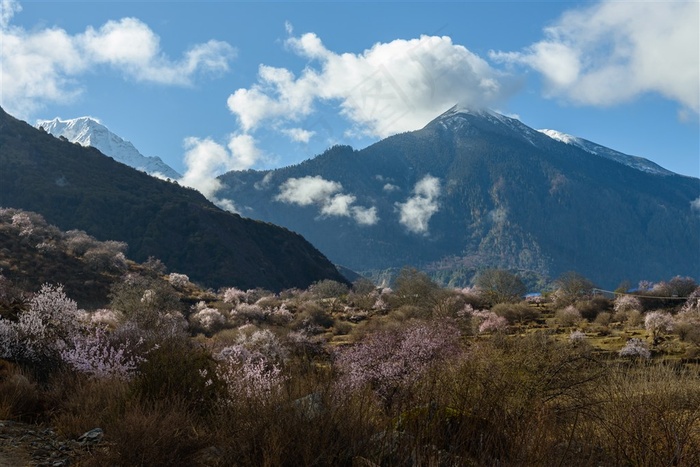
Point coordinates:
[(222, 85)]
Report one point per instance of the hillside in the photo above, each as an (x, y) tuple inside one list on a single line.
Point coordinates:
[(75, 187), (475, 189)]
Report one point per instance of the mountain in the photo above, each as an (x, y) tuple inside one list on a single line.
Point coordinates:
[(87, 131), (75, 187), (475, 189)]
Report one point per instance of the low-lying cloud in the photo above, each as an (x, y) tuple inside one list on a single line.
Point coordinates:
[(416, 212), (328, 196)]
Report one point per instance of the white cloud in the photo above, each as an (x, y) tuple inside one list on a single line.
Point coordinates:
[(365, 216), (389, 187), (389, 88), (299, 135), (308, 190), (613, 52), (416, 212), (244, 152), (328, 196), (204, 160), (338, 205), (46, 64), (8, 8)]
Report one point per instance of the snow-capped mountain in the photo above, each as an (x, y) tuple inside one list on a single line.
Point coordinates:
[(635, 162), (88, 131)]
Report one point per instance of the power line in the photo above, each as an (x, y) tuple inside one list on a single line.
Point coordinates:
[(641, 296)]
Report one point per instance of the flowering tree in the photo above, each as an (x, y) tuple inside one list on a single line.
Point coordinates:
[(252, 366), (657, 322), (635, 348), (625, 303), (52, 319), (692, 305), (489, 322), (92, 353), (233, 295), (178, 280), (389, 361)]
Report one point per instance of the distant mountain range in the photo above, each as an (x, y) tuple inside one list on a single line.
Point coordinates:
[(474, 189), (75, 187), (88, 131)]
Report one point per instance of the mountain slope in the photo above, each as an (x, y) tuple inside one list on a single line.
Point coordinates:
[(75, 187), (87, 131), (635, 162), (476, 189)]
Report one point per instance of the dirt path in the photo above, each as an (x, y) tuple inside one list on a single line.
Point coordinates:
[(23, 445)]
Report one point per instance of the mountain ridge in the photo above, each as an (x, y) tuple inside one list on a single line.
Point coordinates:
[(75, 187)]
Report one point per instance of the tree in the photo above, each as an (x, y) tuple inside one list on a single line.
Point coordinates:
[(571, 287), (657, 322), (415, 288), (500, 286)]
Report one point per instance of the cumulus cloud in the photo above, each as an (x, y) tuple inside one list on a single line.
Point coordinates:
[(328, 196), (416, 212), (613, 52), (389, 88), (46, 64), (299, 135)]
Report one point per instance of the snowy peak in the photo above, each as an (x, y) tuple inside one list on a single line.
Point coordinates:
[(639, 163), (460, 118), (88, 131)]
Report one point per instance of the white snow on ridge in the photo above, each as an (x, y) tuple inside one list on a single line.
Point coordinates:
[(639, 163), (88, 131)]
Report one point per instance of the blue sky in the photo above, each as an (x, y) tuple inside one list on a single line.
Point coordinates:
[(215, 86)]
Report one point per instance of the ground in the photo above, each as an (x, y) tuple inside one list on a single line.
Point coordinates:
[(24, 444)]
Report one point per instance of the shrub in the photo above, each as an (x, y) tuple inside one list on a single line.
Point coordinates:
[(516, 312), (569, 316), (143, 299), (328, 289), (590, 309), (20, 398), (163, 433), (178, 370), (603, 318)]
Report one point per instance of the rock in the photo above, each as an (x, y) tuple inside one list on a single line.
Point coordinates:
[(91, 437)]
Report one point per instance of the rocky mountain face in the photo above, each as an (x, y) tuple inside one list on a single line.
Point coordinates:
[(475, 189), (87, 131), (75, 187)]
